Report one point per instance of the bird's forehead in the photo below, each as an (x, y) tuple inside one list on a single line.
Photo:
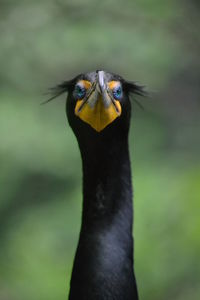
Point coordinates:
[(92, 76)]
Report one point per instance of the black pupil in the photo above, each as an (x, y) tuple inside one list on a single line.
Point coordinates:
[(80, 91), (118, 91)]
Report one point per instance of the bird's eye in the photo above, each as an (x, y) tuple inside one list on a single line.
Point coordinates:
[(80, 92), (117, 92)]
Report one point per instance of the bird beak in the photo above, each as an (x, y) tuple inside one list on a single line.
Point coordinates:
[(98, 108)]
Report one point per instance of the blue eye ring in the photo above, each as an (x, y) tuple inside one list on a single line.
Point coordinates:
[(80, 91), (117, 92)]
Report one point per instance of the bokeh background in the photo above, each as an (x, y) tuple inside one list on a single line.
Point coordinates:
[(156, 43)]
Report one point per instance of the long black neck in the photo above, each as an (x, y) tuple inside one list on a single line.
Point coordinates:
[(103, 266)]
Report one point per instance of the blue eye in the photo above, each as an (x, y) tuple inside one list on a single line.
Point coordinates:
[(117, 92), (80, 92)]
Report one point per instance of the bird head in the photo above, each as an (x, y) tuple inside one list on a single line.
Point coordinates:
[(97, 101)]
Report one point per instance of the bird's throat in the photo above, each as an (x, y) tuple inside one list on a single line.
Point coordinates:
[(107, 189), (98, 116)]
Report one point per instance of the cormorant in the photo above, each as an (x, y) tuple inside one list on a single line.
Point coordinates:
[(98, 110)]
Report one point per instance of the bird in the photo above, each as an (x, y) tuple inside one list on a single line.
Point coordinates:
[(98, 109)]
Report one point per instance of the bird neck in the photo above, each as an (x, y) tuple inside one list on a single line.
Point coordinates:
[(103, 265), (107, 189)]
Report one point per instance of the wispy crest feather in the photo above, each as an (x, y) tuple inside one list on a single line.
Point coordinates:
[(135, 89)]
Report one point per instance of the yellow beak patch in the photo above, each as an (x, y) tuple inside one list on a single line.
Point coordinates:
[(99, 116)]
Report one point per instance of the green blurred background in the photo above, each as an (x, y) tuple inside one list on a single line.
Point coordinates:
[(156, 43)]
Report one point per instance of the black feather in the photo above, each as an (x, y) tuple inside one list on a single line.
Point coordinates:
[(60, 89), (135, 89)]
